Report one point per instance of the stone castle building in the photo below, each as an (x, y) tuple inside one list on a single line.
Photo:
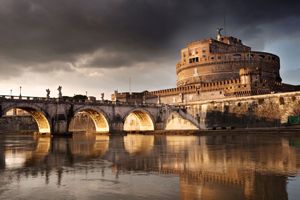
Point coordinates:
[(214, 69)]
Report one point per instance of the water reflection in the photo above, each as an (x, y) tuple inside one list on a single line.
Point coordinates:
[(207, 167)]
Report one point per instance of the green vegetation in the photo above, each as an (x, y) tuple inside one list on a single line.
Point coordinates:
[(294, 120)]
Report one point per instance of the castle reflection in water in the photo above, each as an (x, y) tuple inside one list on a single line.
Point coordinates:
[(208, 167)]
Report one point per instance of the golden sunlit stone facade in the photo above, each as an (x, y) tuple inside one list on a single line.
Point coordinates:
[(218, 68), (217, 60)]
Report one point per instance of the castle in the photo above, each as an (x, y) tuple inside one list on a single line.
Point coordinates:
[(218, 68)]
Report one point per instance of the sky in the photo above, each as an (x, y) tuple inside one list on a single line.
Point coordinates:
[(96, 46)]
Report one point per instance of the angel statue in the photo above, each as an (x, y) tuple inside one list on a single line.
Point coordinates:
[(48, 93), (59, 92)]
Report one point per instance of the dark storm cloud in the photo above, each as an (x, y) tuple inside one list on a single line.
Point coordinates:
[(121, 33)]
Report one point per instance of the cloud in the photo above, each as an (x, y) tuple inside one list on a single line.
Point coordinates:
[(292, 76), (78, 36)]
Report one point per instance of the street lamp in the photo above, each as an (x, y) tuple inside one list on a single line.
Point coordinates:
[(20, 92)]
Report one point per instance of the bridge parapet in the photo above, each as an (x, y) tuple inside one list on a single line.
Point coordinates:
[(74, 101)]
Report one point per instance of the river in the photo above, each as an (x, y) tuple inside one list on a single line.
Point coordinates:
[(90, 166)]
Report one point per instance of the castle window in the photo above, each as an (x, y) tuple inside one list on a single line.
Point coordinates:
[(237, 56), (281, 101), (260, 101), (193, 60)]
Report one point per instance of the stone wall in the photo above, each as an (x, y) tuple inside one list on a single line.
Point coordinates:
[(17, 123), (270, 110)]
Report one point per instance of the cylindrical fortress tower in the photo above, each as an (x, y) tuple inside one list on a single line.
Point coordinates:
[(213, 60)]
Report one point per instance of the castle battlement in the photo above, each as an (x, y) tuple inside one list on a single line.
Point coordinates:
[(218, 68)]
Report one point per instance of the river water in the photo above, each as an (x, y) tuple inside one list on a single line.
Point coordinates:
[(90, 166)]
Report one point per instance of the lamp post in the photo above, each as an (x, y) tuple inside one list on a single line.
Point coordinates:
[(20, 92)]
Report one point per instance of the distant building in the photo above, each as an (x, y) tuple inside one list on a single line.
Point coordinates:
[(217, 68), (130, 97)]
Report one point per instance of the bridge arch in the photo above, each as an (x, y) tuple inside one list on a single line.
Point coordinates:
[(41, 117), (176, 121), (138, 120), (98, 116)]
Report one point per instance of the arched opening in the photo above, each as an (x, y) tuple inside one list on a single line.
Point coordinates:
[(89, 120), (176, 122), (138, 120), (27, 118)]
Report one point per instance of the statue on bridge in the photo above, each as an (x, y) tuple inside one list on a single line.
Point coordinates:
[(48, 93), (102, 96), (59, 92)]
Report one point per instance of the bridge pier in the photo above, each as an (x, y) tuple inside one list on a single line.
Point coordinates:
[(59, 126), (116, 127), (159, 126)]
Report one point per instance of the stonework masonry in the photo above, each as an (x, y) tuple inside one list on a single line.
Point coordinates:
[(271, 110), (58, 116), (17, 123), (222, 82)]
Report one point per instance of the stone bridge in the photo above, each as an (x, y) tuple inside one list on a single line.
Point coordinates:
[(55, 115)]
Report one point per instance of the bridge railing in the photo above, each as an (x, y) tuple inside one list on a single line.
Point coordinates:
[(28, 98), (70, 100)]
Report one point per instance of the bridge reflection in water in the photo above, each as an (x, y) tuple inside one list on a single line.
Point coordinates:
[(208, 167)]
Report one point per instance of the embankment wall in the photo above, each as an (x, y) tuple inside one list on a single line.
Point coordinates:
[(270, 110)]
